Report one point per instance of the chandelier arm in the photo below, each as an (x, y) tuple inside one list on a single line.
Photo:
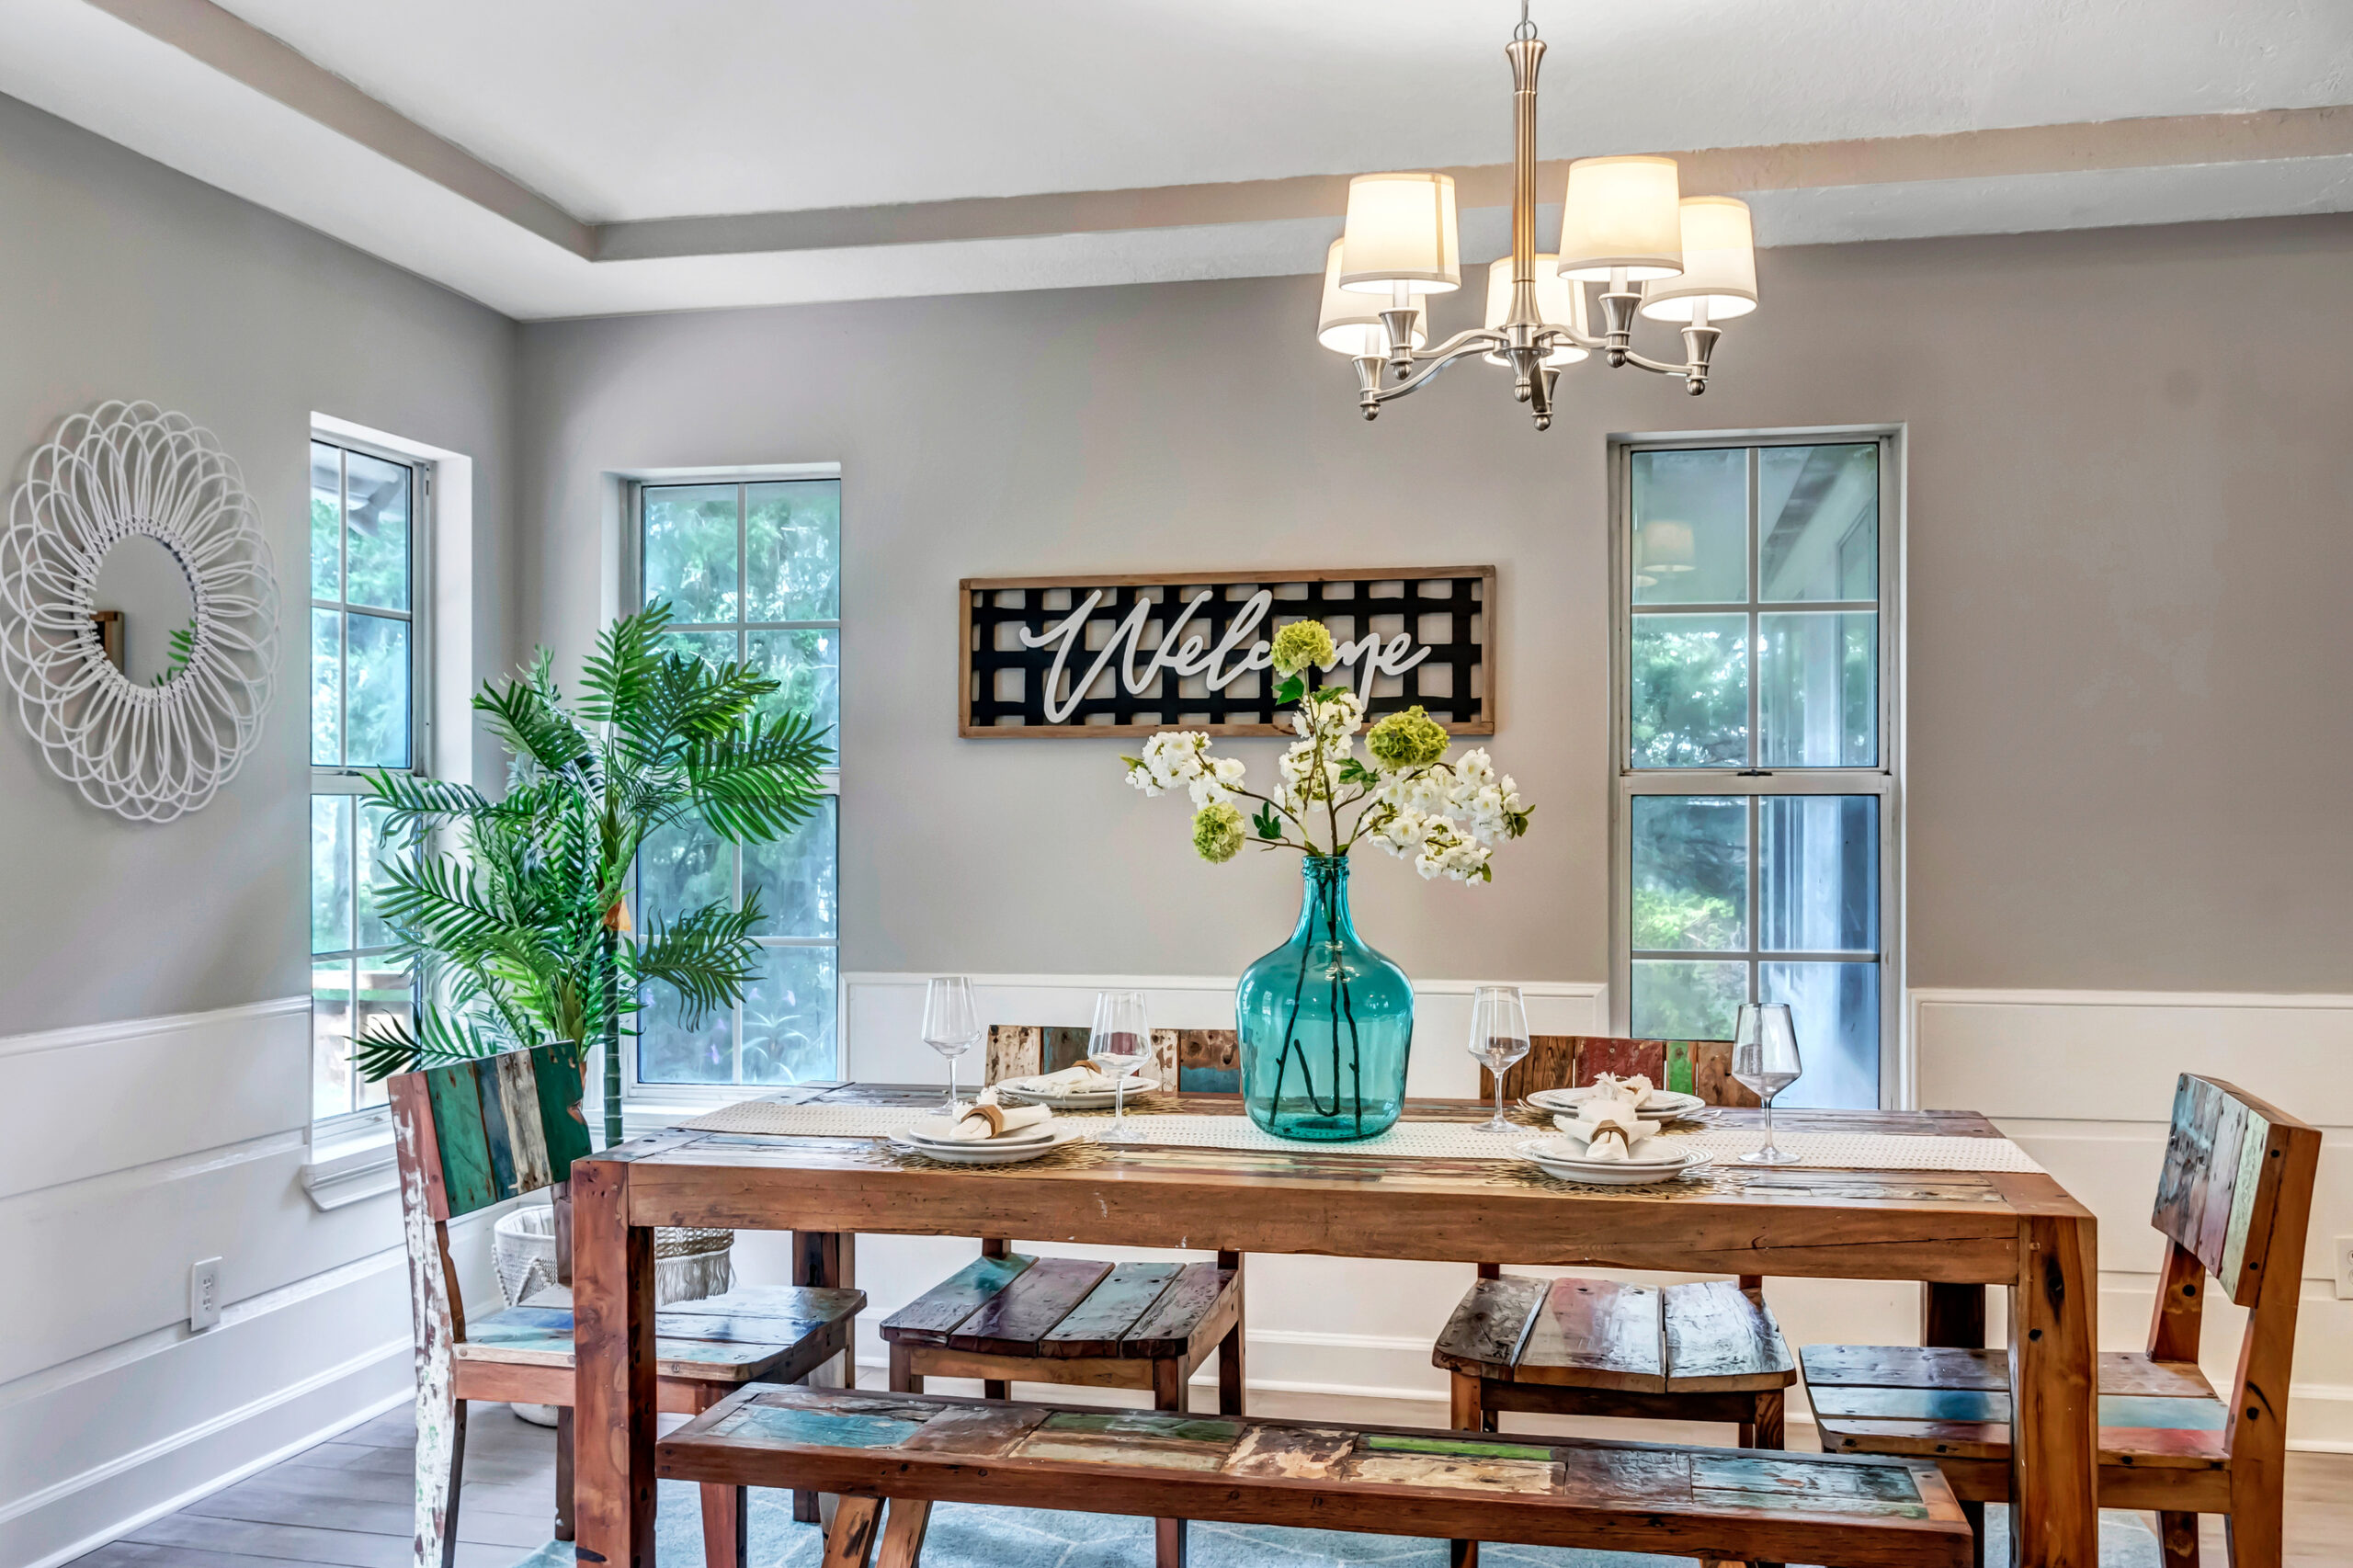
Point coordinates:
[(1372, 395), (1479, 338)]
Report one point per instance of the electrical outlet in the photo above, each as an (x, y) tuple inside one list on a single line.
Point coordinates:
[(2344, 1256), (204, 1293)]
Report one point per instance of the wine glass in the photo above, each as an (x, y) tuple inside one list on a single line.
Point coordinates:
[(1765, 1059), (1121, 1043), (950, 1026), (1498, 1038)]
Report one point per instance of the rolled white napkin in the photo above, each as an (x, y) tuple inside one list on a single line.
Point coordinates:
[(1634, 1089), (985, 1120), (1085, 1074), (1611, 1129)]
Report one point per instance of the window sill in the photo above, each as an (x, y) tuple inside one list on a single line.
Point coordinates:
[(351, 1170)]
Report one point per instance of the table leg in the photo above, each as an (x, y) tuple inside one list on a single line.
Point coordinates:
[(2054, 1420), (612, 1297), (825, 1258), (1953, 1316)]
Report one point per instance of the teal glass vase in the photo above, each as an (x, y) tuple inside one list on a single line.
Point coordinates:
[(1326, 1023)]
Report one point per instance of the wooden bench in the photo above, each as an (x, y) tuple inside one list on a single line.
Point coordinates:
[(915, 1451)]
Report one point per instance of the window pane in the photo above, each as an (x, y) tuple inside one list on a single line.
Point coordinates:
[(1817, 873), (375, 849), (711, 647), (795, 877), (1690, 540), (327, 688), (1690, 690), (670, 1052), (376, 510), (808, 663), (326, 538), (1690, 873), (385, 992), (331, 1038), (680, 868), (789, 1017), (792, 550), (1835, 1009), (381, 673), (330, 873), (1684, 999), (1817, 689), (690, 550), (1817, 521)]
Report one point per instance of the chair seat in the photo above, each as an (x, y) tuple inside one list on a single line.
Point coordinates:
[(750, 1332), (1599, 1334), (1070, 1309), (1947, 1403)]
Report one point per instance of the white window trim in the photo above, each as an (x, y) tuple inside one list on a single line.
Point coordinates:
[(1899, 1077), (651, 1107), (350, 1156)]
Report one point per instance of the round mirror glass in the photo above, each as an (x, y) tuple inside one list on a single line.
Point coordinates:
[(144, 609)]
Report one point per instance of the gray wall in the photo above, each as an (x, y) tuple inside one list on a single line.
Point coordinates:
[(122, 279), (2129, 476)]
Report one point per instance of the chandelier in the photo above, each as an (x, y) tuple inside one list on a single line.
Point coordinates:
[(1625, 224)]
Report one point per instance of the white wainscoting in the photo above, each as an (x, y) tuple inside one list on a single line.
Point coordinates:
[(2084, 1080), (128, 1151)]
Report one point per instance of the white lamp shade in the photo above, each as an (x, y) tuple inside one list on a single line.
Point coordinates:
[(1661, 548), (1401, 230), (1719, 264), (1557, 304), (1350, 324), (1621, 212)]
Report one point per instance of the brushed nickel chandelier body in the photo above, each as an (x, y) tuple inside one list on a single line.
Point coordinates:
[(1625, 225)]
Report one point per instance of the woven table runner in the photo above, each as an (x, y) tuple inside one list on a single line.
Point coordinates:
[(1409, 1139)]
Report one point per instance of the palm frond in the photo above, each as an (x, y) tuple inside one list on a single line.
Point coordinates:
[(762, 783), (708, 955), (528, 721), (619, 671), (386, 1046)]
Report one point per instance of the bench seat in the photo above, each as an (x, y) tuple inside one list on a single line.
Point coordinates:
[(1708, 1503)]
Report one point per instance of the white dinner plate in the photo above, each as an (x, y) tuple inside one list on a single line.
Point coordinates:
[(1072, 1099), (933, 1130), (1661, 1104), (1609, 1173), (991, 1151)]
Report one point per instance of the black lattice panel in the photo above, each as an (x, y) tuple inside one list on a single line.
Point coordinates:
[(1445, 617)]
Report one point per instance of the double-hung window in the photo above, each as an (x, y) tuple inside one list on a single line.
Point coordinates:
[(368, 645), (752, 574), (1755, 842)]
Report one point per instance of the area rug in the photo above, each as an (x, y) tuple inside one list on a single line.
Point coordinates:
[(967, 1536)]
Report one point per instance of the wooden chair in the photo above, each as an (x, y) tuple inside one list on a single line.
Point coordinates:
[(1708, 1351), (2233, 1203), (475, 1133), (1013, 1318)]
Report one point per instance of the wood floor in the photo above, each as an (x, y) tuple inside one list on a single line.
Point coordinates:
[(345, 1504)]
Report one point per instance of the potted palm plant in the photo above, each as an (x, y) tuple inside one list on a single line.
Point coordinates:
[(521, 934)]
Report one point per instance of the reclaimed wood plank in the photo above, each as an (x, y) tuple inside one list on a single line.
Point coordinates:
[(1012, 1320), (850, 1542), (612, 1285), (1170, 1442), (498, 1138), (1491, 1325), (1597, 1334), (1291, 1453), (932, 1316), (1908, 1366), (1598, 1055), (2220, 1184), (518, 1091), (466, 1176), (1096, 1324), (1718, 1341), (1014, 1050), (556, 1078), (2054, 1481), (1178, 1313), (2189, 1140), (976, 1431), (791, 1426)]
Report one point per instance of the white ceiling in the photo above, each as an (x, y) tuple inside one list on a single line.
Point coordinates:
[(620, 111)]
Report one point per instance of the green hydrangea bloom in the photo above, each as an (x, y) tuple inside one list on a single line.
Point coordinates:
[(1301, 643), (1411, 739), (1216, 833)]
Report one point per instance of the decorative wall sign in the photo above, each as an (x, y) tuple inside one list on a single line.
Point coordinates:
[(156, 749), (1132, 655)]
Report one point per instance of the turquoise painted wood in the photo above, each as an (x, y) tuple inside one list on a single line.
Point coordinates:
[(505, 1125), (2148, 1412), (821, 1428)]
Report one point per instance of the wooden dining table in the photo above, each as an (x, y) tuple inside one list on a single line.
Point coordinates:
[(1956, 1231)]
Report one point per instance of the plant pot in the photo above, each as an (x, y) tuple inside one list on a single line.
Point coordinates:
[(1326, 1023), (688, 1266)]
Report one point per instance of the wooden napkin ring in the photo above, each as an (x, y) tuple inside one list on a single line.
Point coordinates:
[(992, 1115)]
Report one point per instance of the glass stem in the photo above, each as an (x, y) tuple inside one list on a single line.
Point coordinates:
[(951, 1086), (1768, 1120), (1499, 1096)]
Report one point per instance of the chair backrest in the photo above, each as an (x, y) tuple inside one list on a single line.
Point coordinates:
[(475, 1133), (1198, 1061), (2232, 1169), (1701, 1067)]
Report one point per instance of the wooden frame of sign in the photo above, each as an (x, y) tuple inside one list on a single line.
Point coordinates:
[(1430, 637)]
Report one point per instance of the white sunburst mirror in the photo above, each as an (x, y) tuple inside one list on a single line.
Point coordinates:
[(151, 735)]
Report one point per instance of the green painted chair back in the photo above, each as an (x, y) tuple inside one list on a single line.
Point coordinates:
[(479, 1132), (2230, 1168), (1701, 1067)]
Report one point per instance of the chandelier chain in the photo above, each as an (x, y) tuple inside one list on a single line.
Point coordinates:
[(1527, 30)]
